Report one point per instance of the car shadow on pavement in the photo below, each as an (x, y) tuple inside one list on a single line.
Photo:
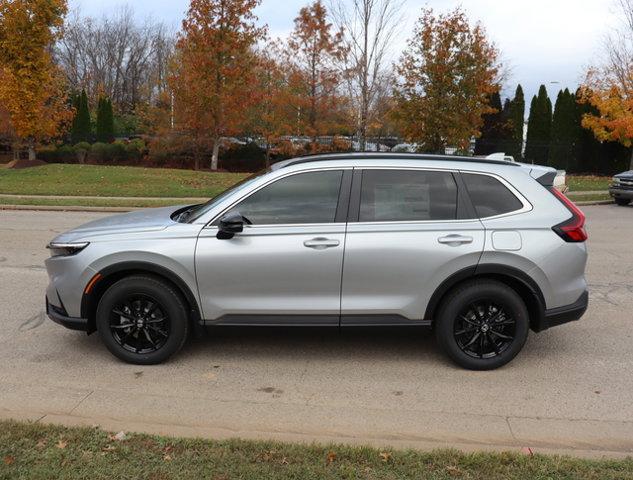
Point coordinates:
[(318, 343)]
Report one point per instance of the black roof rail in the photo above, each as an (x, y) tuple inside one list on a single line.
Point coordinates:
[(321, 157)]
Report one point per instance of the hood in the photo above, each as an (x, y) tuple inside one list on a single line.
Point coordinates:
[(150, 219), (628, 174)]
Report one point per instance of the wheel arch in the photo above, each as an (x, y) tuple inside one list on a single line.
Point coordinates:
[(519, 281), (115, 272)]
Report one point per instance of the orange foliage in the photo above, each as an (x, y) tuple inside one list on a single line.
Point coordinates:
[(213, 80), (32, 90), (445, 76), (614, 103), (314, 77)]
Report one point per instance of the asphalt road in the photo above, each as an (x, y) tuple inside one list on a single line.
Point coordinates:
[(570, 390)]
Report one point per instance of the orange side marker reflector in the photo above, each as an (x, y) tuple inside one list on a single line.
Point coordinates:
[(92, 282)]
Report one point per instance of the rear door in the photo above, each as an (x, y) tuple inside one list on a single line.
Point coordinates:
[(408, 231)]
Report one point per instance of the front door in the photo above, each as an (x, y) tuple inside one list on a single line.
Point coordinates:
[(406, 235), (285, 267)]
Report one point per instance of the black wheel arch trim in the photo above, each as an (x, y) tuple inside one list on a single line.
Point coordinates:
[(535, 301), (122, 269)]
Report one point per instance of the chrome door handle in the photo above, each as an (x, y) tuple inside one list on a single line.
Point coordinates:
[(455, 240), (321, 243)]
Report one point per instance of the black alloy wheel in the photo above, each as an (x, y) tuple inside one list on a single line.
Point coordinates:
[(482, 324), (484, 330), (142, 319), (139, 324)]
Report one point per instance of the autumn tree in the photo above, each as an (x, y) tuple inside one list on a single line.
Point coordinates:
[(214, 79), (31, 89), (446, 74), (608, 87), (272, 115), (370, 27), (314, 51)]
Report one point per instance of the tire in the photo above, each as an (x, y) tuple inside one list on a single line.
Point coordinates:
[(623, 202), (463, 314), (141, 302)]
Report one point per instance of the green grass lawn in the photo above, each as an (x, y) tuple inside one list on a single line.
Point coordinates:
[(35, 451), (60, 179), (586, 183), (93, 202)]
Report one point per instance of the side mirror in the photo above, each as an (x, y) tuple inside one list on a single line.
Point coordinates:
[(230, 224)]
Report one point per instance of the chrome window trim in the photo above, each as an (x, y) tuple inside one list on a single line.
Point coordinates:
[(273, 180)]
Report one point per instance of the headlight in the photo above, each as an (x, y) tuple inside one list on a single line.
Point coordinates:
[(615, 180), (59, 249)]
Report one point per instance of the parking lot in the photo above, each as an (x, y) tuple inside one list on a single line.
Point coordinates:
[(570, 389)]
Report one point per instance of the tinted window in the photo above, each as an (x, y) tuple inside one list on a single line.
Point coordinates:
[(489, 196), (302, 198), (407, 195)]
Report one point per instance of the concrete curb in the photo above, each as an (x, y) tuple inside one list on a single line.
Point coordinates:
[(595, 202)]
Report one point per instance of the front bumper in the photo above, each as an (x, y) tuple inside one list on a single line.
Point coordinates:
[(567, 313), (621, 192), (59, 315)]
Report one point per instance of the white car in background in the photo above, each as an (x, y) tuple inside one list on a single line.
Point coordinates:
[(559, 181)]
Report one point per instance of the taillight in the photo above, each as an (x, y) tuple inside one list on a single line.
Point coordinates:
[(572, 230)]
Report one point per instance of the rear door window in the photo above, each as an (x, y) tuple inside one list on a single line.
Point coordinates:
[(490, 197), (407, 195)]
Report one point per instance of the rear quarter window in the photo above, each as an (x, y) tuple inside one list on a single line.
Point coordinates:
[(490, 197)]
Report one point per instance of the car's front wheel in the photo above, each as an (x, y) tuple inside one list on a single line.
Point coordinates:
[(622, 201), (142, 320), (482, 324)]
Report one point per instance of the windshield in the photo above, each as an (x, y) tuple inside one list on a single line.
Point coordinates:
[(195, 212)]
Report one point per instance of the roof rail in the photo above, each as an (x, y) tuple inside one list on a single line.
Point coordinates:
[(321, 157)]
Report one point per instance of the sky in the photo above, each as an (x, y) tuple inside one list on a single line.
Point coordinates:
[(549, 42)]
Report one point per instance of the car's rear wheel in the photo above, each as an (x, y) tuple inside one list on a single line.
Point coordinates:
[(142, 320), (622, 201), (482, 324)]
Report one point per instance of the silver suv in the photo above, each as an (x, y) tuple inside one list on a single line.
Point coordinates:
[(480, 250)]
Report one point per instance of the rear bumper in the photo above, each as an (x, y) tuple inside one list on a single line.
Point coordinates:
[(565, 314), (616, 192), (59, 315)]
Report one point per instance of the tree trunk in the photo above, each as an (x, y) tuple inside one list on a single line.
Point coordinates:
[(631, 161), (216, 152), (31, 149), (267, 155)]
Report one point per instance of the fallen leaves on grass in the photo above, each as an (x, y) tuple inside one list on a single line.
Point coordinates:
[(119, 437), (385, 456), (61, 444), (8, 460), (453, 471), (331, 456)]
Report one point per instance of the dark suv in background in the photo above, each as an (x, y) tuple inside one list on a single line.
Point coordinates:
[(621, 188)]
